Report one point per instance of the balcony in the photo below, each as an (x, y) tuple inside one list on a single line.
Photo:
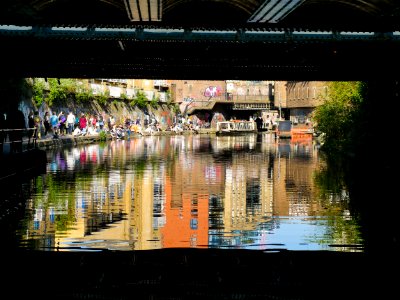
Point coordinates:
[(237, 102)]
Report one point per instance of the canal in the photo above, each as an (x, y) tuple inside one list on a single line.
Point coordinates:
[(198, 217), (187, 191)]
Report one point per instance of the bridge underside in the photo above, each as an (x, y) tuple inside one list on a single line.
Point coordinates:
[(193, 58), (40, 52)]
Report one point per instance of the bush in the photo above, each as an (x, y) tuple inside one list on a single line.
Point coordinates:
[(83, 97), (154, 103), (338, 115), (103, 136), (38, 91), (140, 101)]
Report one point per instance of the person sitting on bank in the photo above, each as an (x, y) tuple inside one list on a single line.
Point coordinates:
[(77, 132), (91, 131)]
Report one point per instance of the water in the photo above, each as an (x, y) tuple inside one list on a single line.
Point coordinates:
[(188, 191)]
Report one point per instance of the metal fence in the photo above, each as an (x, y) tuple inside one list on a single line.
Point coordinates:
[(17, 140)]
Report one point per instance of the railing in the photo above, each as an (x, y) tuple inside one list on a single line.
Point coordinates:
[(236, 126), (13, 140), (239, 102), (249, 98), (249, 34), (251, 106)]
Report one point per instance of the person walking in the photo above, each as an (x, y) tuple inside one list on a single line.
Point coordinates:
[(37, 122), (101, 122), (62, 120), (70, 123), (46, 123), (54, 124)]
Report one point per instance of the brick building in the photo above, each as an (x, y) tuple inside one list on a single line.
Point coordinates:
[(297, 99)]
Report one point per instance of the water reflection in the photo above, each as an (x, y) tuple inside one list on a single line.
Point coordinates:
[(200, 191)]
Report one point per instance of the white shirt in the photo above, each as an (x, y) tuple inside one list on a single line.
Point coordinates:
[(71, 118)]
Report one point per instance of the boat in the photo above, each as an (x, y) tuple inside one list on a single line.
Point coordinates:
[(302, 132), (286, 129), (236, 127)]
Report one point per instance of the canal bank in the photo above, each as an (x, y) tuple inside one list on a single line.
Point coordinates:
[(69, 140)]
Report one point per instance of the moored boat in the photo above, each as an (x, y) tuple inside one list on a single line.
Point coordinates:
[(236, 127), (286, 129)]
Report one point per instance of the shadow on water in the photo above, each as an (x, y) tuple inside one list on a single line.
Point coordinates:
[(16, 171)]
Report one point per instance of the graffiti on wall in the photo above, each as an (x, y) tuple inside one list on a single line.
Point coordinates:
[(213, 91), (165, 119)]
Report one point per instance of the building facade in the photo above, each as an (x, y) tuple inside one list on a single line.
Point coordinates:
[(297, 99)]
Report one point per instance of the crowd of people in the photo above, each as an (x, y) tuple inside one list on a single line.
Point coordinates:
[(54, 125), (63, 124)]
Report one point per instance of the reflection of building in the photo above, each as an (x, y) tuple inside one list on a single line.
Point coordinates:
[(293, 182), (187, 202), (145, 234), (248, 192), (187, 224)]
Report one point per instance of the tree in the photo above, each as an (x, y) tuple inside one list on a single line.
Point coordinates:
[(337, 117), (38, 87)]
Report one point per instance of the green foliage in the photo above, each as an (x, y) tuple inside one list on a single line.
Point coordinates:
[(154, 102), (337, 116), (331, 180), (103, 98), (103, 136), (174, 107), (168, 96), (61, 90), (330, 177), (38, 89), (123, 97), (83, 96), (140, 100)]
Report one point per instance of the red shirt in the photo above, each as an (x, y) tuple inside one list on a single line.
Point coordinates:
[(82, 122)]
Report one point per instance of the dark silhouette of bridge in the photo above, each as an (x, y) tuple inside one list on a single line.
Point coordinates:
[(222, 39), (250, 39), (181, 53)]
